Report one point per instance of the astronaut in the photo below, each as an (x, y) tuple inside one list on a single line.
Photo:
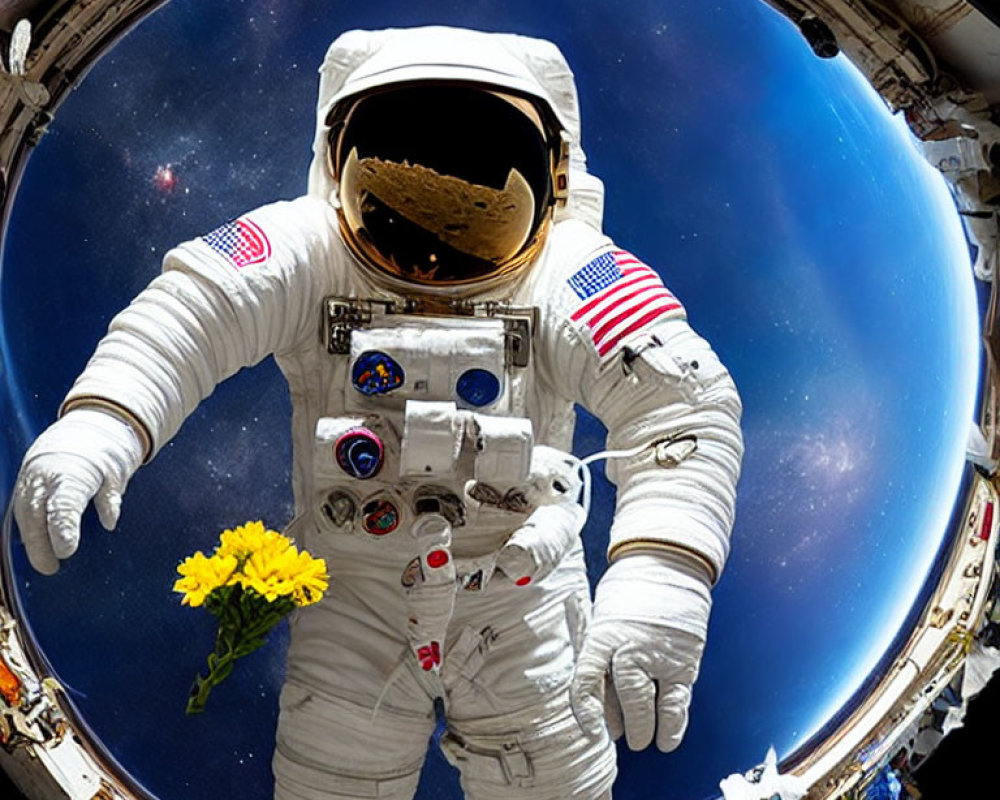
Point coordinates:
[(438, 301)]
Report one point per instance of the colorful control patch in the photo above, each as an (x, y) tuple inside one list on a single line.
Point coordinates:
[(380, 517), (376, 373), (359, 453)]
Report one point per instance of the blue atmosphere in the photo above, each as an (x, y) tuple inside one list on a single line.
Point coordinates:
[(771, 190)]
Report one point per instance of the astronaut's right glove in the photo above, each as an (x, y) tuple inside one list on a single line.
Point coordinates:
[(87, 454), (647, 635), (552, 529)]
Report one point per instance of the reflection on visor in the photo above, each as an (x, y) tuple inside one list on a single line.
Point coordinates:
[(443, 185), (487, 223)]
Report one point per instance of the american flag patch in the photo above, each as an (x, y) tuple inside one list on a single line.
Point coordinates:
[(622, 296), (241, 241)]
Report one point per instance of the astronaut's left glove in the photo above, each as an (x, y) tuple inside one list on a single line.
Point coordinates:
[(647, 635), (538, 546)]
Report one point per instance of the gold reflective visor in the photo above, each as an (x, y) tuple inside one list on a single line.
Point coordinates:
[(462, 211)]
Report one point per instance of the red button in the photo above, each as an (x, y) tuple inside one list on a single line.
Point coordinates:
[(437, 558), (523, 581)]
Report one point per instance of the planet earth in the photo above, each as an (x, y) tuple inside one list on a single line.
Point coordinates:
[(773, 192)]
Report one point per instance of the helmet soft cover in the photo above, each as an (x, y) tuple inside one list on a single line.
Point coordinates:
[(443, 188)]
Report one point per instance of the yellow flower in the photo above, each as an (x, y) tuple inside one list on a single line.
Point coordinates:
[(251, 557), (242, 540), (258, 559), (284, 572), (311, 579), (201, 575), (268, 572)]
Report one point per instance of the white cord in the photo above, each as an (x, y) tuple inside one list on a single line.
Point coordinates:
[(585, 463), (604, 454)]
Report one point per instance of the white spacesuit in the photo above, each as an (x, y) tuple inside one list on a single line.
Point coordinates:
[(437, 302)]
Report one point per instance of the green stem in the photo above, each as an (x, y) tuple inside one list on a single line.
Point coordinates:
[(202, 687), (242, 628), (220, 664)]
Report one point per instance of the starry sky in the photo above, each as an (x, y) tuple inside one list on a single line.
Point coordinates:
[(772, 191)]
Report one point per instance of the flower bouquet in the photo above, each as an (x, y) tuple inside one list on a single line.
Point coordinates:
[(251, 582)]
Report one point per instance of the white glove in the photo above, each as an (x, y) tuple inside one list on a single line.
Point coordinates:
[(537, 547), (87, 454), (647, 634)]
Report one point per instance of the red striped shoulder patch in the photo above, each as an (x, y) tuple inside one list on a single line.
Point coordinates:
[(241, 242), (620, 296)]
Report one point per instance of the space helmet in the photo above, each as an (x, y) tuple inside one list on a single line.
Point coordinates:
[(447, 156), (444, 185)]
